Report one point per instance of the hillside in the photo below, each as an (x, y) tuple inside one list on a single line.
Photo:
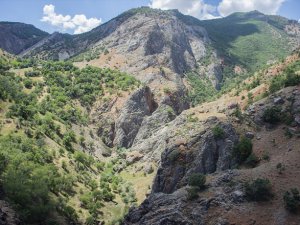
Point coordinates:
[(155, 118), (17, 37)]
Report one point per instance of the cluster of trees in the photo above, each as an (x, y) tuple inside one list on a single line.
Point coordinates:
[(31, 178), (289, 77), (201, 89)]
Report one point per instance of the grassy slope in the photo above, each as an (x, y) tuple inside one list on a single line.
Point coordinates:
[(64, 159), (249, 40)]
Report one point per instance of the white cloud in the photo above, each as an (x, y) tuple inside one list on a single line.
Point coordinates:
[(79, 23), (227, 7), (196, 8)]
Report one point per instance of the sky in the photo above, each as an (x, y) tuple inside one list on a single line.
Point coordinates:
[(78, 16)]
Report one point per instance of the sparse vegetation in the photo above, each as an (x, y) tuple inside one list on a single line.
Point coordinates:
[(259, 190), (292, 200), (197, 180)]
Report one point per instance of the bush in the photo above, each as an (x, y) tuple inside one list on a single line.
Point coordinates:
[(173, 156), (243, 149), (197, 180), (252, 160), (292, 200), (259, 190), (280, 168), (218, 132), (28, 83), (272, 115)]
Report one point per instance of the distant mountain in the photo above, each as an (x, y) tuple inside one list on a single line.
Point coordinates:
[(252, 39), (247, 39), (144, 41), (16, 37)]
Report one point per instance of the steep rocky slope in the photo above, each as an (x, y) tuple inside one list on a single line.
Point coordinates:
[(135, 130), (272, 124), (16, 37)]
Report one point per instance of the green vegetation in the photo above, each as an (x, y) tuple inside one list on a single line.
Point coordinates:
[(259, 190), (243, 150), (252, 160), (289, 77), (218, 132), (280, 168), (250, 42), (201, 89), (43, 174), (292, 200), (272, 115), (197, 180), (90, 54)]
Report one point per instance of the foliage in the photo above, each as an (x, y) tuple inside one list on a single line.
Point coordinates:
[(201, 89), (250, 42), (289, 77), (259, 190), (174, 155), (252, 160), (197, 180), (26, 177), (243, 149), (292, 200), (218, 132), (272, 115)]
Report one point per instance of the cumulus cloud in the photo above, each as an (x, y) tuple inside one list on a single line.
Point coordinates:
[(78, 23), (227, 7), (196, 8)]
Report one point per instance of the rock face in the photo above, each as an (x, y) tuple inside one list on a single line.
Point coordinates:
[(7, 215), (145, 42), (175, 208), (139, 105), (198, 152), (201, 154), (16, 37)]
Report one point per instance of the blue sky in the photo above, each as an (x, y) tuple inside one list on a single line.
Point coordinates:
[(77, 16)]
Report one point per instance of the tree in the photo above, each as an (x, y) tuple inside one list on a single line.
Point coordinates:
[(243, 149), (259, 190), (197, 180)]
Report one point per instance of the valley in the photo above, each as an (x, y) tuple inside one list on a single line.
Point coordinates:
[(154, 117)]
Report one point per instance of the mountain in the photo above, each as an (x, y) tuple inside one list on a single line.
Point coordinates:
[(154, 117), (252, 39), (219, 48), (16, 37)]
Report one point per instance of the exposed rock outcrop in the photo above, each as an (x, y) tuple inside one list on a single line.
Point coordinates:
[(139, 105), (203, 153)]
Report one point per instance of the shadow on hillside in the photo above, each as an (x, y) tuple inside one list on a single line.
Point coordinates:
[(224, 32)]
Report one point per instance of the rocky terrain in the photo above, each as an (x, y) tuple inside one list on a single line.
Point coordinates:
[(197, 149), (129, 112)]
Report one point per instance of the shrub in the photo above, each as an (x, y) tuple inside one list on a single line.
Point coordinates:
[(272, 115), (28, 83), (259, 190), (280, 168), (238, 113), (243, 149), (292, 200), (173, 156), (218, 132), (197, 180), (252, 160)]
